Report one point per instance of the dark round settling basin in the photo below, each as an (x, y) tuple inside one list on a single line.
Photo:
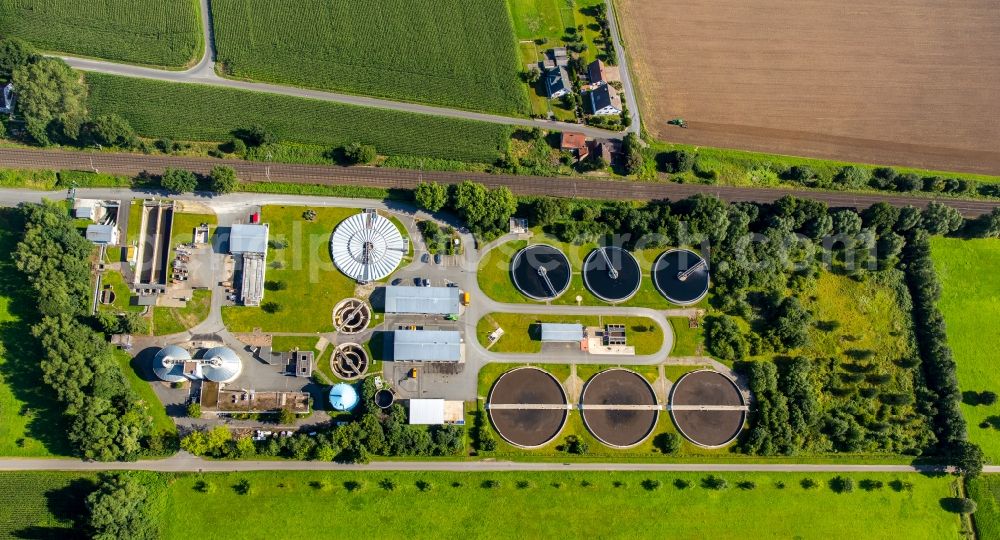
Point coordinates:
[(619, 428), (384, 398), (540, 271), (612, 274), (528, 428), (681, 275), (707, 428)]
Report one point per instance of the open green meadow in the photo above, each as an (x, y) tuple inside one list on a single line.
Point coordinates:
[(168, 321), (191, 112), (520, 505), (31, 423), (154, 32), (970, 302), (547, 505), (313, 285), (458, 53), (522, 333), (687, 341)]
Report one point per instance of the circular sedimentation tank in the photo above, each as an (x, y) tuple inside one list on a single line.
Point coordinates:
[(384, 398), (681, 276), (541, 272), (349, 361), (612, 274), (619, 408), (708, 408), (528, 407), (351, 315)]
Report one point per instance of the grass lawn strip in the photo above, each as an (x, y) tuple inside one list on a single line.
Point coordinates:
[(522, 335)]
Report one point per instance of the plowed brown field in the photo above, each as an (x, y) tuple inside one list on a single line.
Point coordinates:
[(905, 82)]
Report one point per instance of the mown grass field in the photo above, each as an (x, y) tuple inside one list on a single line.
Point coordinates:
[(522, 505), (687, 341), (200, 113), (162, 423), (560, 504), (168, 321), (314, 285), (522, 333), (495, 279), (970, 302), (155, 32), (458, 53), (31, 423)]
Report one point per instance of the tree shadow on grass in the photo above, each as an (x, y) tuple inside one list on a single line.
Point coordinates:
[(67, 506), (21, 369)]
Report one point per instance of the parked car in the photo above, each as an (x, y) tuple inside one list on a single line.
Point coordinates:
[(425, 258), (437, 258), (425, 283), (397, 281)]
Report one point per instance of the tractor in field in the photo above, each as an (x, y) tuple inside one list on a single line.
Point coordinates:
[(679, 122)]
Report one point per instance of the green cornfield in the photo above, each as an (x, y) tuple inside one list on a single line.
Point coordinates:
[(190, 112), (456, 53), (42, 504), (154, 32)]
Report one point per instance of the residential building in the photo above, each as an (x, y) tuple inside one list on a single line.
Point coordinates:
[(574, 142), (605, 101), (597, 74), (557, 83)]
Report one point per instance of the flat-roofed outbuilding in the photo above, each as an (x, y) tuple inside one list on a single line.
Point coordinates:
[(427, 346), (430, 300), (564, 333), (248, 238)]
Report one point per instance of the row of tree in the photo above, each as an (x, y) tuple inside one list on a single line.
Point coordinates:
[(108, 420), (942, 403)]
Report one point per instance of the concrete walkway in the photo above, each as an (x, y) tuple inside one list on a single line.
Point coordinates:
[(186, 463)]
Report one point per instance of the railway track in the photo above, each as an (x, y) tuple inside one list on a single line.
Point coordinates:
[(588, 188)]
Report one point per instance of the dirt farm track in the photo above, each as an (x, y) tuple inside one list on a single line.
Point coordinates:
[(903, 82)]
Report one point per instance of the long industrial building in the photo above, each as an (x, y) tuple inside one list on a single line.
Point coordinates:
[(427, 346), (248, 243), (426, 300)]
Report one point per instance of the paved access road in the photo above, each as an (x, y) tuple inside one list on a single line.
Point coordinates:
[(204, 73), (184, 462), (577, 187)]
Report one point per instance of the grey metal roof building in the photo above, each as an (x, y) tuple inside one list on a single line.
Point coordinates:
[(427, 346), (245, 238), (435, 300), (562, 332), (106, 235)]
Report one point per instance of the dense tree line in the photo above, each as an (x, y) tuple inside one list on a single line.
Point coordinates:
[(486, 211), (108, 421), (938, 364)]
